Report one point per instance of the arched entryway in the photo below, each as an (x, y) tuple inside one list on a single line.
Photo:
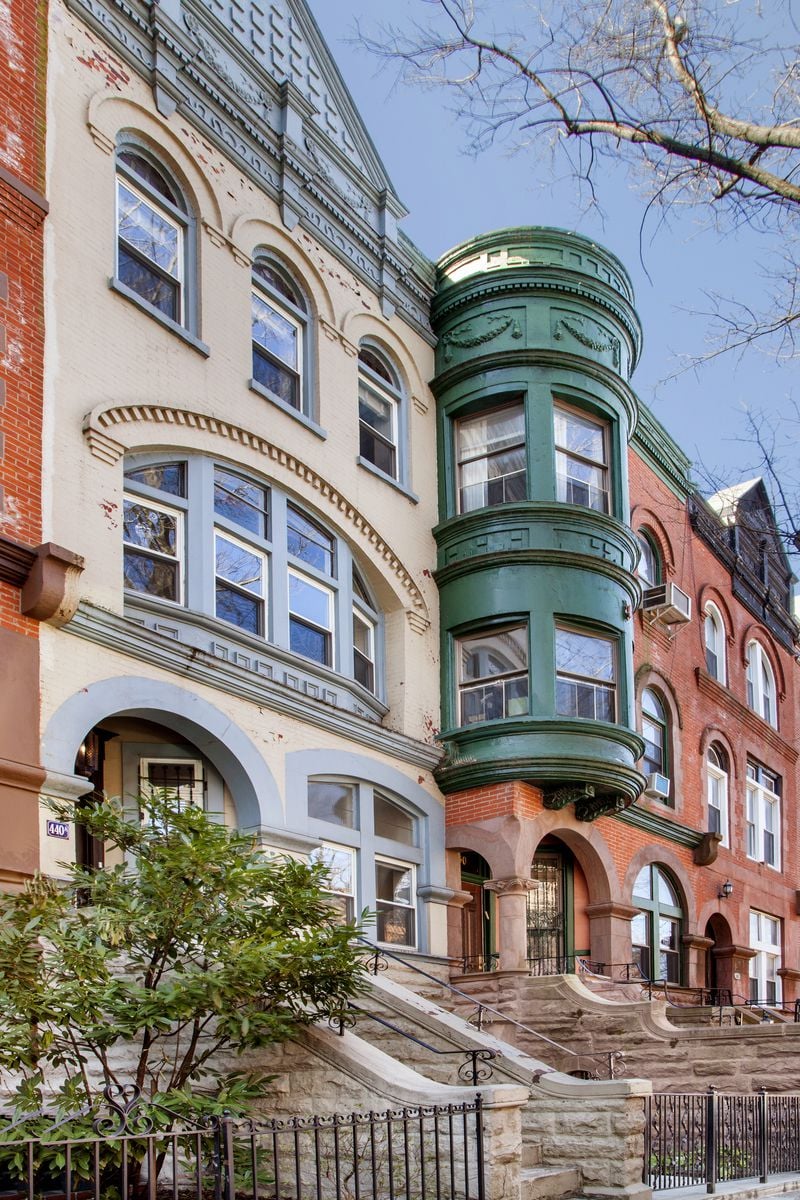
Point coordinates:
[(719, 955), (477, 915), (557, 924)]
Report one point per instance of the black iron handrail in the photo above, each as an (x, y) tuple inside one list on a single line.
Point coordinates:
[(719, 998), (474, 1073), (613, 1059)]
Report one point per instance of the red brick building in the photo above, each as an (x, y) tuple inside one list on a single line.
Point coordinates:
[(32, 576)]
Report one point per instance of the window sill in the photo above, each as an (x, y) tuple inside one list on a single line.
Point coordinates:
[(258, 388), (180, 331), (395, 483)]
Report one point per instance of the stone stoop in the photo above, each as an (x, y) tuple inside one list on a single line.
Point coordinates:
[(548, 1183)]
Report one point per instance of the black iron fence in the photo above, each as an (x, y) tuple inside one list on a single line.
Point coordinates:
[(423, 1153), (695, 1138)]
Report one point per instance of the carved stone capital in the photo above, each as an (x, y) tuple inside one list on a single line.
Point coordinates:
[(611, 908), (513, 885)]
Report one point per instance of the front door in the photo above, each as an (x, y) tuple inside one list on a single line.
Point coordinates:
[(549, 948), (476, 920)]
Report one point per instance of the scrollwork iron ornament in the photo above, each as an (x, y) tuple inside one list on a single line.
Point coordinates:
[(345, 1018), (477, 1066), (127, 1116), (618, 1068), (378, 962)]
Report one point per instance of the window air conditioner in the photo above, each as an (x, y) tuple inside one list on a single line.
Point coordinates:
[(657, 787), (667, 603)]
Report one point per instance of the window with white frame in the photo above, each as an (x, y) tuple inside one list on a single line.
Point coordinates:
[(371, 843), (586, 675), (763, 806), (379, 411), (717, 784), (761, 691), (649, 566), (765, 939), (153, 226), (582, 470), (181, 777), (278, 573), (655, 731), (491, 458), (492, 670), (280, 332), (714, 639)]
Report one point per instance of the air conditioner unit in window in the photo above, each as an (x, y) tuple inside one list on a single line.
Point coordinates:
[(657, 787), (668, 604)]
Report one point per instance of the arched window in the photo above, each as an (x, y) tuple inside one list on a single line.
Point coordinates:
[(761, 691), (656, 928), (714, 638), (717, 782), (655, 731), (155, 243), (276, 573), (280, 328), (649, 568), (381, 413), (372, 847)]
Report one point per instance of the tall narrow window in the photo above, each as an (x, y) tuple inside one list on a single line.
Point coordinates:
[(765, 939), (717, 776), (490, 453), (365, 628), (714, 637), (649, 566), (379, 401), (395, 892), (152, 221), (581, 459), (763, 815), (340, 881), (761, 691), (279, 325), (655, 731), (656, 928), (153, 549), (493, 675), (586, 672)]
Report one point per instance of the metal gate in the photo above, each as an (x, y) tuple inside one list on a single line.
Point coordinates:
[(546, 916)]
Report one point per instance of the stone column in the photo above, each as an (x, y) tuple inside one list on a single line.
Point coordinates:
[(610, 932), (512, 920), (733, 968), (696, 948)]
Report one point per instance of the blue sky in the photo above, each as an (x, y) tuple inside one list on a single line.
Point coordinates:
[(453, 195)]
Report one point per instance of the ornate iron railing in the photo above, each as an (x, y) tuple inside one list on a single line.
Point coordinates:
[(426, 1152), (694, 1138), (601, 1065)]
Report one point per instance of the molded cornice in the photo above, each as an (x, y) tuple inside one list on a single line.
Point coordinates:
[(662, 827), (132, 640)]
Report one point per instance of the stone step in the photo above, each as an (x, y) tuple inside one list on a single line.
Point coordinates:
[(548, 1183)]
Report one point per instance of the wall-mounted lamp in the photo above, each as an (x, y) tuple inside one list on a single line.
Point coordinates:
[(726, 891)]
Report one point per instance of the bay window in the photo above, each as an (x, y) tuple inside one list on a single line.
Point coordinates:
[(582, 469), (493, 674), (490, 458), (586, 672)]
